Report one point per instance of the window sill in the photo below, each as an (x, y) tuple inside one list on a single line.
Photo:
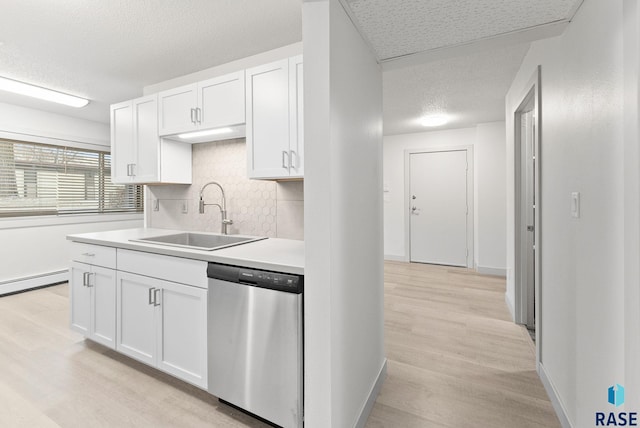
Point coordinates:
[(55, 220)]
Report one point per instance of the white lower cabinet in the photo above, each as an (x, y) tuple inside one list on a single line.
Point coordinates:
[(163, 324), (93, 302)]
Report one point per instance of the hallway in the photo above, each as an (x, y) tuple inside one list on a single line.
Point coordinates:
[(455, 359)]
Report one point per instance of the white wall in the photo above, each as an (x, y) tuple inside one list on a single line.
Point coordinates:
[(344, 353), (582, 260), (34, 251), (631, 44), (489, 190), (490, 203), (27, 122)]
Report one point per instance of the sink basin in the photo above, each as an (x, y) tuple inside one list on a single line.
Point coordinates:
[(199, 241)]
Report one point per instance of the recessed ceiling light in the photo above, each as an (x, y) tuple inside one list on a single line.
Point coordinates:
[(435, 120), (33, 91), (206, 133)]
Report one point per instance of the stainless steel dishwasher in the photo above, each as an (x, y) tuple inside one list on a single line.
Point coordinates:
[(255, 341)]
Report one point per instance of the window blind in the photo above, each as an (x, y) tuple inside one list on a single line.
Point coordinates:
[(40, 179)]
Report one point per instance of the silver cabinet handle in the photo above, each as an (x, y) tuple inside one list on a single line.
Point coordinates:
[(293, 159), (89, 274), (193, 114), (156, 297), (128, 170), (285, 159), (84, 279), (199, 115), (133, 171), (151, 302), (89, 254)]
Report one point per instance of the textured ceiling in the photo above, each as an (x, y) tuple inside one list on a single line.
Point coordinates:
[(471, 89), (108, 50), (402, 27)]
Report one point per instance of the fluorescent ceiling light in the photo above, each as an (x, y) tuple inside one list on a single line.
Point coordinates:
[(436, 120), (21, 88), (206, 133)]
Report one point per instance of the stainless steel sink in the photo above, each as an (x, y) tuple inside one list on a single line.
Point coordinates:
[(199, 241)]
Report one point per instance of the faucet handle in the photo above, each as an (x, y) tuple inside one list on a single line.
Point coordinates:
[(227, 221)]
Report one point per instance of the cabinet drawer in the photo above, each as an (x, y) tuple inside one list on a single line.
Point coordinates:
[(93, 254), (169, 268)]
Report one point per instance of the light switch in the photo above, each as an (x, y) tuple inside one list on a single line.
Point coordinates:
[(185, 207), (575, 204), (156, 205)]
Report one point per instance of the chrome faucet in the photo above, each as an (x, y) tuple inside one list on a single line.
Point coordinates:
[(223, 208)]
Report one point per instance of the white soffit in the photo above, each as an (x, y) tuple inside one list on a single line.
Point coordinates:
[(108, 51), (396, 28)]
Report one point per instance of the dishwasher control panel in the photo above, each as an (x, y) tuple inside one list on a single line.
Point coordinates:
[(258, 278)]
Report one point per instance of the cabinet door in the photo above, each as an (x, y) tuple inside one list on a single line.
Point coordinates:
[(177, 110), (183, 332), (122, 143), (268, 120), (145, 128), (221, 101), (102, 283), (136, 333), (80, 298), (296, 117)]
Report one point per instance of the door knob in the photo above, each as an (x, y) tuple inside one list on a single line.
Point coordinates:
[(530, 228)]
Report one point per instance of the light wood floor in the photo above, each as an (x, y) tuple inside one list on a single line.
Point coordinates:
[(455, 360)]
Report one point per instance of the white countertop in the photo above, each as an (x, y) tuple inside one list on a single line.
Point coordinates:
[(279, 255)]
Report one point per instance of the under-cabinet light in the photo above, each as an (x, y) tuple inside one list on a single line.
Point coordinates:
[(33, 91), (206, 133), (437, 120)]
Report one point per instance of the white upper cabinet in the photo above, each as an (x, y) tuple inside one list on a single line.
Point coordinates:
[(177, 110), (211, 104), (296, 118), (221, 101), (274, 120), (138, 154)]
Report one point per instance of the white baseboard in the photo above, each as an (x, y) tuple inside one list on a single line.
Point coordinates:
[(485, 270), (561, 412), (512, 310), (371, 400), (395, 258), (20, 284)]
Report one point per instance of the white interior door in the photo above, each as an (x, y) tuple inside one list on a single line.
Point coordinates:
[(438, 204), (528, 213)]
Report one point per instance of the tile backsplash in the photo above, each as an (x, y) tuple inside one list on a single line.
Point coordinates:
[(257, 207)]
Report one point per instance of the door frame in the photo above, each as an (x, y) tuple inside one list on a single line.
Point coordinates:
[(532, 96), (470, 197)]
